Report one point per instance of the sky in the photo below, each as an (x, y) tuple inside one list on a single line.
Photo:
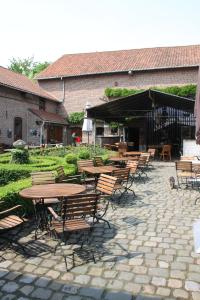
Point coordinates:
[(47, 29)]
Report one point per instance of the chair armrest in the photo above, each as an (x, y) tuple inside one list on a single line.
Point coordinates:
[(7, 211), (54, 214)]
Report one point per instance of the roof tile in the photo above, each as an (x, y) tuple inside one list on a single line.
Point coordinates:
[(122, 61), (22, 83)]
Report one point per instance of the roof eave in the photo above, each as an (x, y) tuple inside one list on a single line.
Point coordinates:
[(118, 71), (29, 92)]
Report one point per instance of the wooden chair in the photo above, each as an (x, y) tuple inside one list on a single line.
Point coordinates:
[(47, 177), (40, 206), (74, 216), (142, 166), (122, 147), (135, 172), (106, 189), (184, 172), (121, 185), (62, 177), (98, 161), (152, 152), (166, 152), (11, 219), (86, 163)]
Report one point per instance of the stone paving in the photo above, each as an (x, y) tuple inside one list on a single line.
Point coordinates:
[(147, 254)]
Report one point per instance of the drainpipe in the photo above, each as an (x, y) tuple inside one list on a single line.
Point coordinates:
[(63, 89)]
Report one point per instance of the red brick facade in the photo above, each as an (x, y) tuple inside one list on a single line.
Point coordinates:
[(78, 90)]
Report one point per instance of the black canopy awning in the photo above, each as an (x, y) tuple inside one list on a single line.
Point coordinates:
[(138, 105)]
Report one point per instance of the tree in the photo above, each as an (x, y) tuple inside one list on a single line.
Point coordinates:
[(27, 66)]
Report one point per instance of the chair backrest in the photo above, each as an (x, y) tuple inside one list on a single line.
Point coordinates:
[(42, 178), (166, 149), (143, 160), (183, 166), (98, 161), (147, 155), (79, 206), (105, 184), (84, 163), (132, 165), (61, 173), (122, 174), (152, 152), (122, 147)]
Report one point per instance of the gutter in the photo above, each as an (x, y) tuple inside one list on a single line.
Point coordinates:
[(118, 71)]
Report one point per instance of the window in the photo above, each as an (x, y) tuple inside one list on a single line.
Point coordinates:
[(41, 104), (17, 128), (100, 131), (114, 130)]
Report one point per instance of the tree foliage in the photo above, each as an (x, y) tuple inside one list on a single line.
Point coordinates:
[(27, 66), (76, 118)]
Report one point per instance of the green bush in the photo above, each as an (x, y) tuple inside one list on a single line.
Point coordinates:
[(20, 156), (9, 194), (187, 91), (84, 154), (71, 158), (7, 175)]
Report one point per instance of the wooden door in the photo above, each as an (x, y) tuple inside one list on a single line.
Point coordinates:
[(17, 128)]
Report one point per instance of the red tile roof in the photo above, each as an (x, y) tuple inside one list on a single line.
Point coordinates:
[(49, 117), (122, 61), (22, 83)]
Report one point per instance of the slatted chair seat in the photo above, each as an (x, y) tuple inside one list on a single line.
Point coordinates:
[(184, 172), (10, 222), (71, 225), (11, 218)]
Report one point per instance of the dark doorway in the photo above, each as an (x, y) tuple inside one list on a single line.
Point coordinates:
[(54, 134), (133, 134), (17, 128)]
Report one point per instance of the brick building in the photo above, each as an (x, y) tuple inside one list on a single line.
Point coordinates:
[(77, 78), (28, 112), (74, 79)]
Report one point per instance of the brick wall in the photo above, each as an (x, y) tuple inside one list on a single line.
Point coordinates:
[(79, 90), (15, 104)]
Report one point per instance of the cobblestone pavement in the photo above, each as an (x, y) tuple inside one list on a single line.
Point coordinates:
[(147, 254)]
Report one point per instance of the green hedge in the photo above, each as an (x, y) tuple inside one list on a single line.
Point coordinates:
[(188, 91), (9, 194), (8, 174)]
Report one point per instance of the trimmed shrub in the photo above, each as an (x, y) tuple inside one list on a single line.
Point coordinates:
[(20, 156), (7, 175), (84, 154), (71, 158)]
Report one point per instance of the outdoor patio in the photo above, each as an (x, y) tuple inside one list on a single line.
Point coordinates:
[(147, 254)]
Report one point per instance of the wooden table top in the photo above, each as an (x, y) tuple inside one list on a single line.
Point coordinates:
[(54, 190), (99, 170), (117, 158), (132, 153)]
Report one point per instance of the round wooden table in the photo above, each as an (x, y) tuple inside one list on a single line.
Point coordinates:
[(55, 190), (39, 193)]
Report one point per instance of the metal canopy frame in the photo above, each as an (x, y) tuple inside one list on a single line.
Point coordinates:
[(138, 105)]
